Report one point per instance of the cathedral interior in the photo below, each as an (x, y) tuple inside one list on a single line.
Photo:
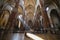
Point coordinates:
[(29, 19)]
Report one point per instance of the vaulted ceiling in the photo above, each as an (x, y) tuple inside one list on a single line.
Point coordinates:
[(30, 6)]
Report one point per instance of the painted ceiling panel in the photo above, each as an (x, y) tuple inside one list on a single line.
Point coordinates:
[(29, 4), (20, 10)]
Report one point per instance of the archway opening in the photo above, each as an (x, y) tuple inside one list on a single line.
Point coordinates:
[(55, 18)]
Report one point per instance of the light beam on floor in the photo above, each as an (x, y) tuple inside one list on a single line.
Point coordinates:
[(34, 37)]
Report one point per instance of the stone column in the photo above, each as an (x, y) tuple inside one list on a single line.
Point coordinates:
[(44, 14)]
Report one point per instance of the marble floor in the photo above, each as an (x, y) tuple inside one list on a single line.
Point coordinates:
[(22, 36)]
